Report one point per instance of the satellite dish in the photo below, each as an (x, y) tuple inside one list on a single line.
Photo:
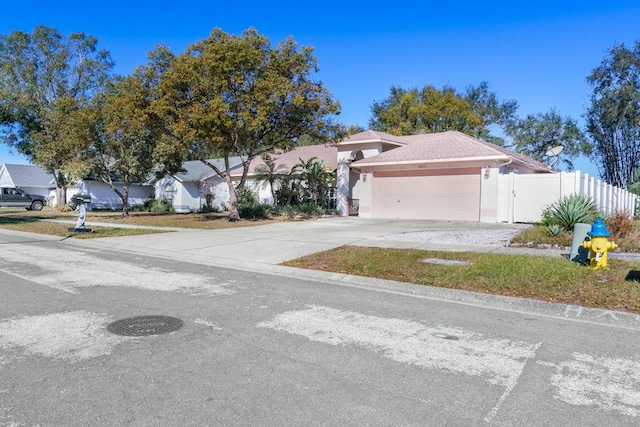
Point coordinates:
[(555, 151)]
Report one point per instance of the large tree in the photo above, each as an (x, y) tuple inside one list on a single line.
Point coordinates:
[(238, 96), (613, 118), (128, 130), (426, 110), (536, 134), (493, 112), (45, 79)]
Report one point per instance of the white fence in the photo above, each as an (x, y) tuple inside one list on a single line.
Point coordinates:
[(523, 197)]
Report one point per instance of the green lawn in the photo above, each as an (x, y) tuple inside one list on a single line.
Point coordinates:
[(542, 278), (23, 220)]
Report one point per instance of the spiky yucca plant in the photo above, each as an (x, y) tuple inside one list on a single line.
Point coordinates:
[(570, 210), (554, 230)]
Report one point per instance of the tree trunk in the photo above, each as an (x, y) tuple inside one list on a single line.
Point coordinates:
[(234, 215), (125, 200), (61, 189), (61, 196)]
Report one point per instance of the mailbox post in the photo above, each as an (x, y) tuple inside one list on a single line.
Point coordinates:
[(80, 202)]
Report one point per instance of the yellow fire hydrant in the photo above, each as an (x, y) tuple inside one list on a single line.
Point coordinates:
[(598, 245)]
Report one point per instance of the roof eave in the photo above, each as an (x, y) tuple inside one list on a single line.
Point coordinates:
[(432, 161), (369, 141)]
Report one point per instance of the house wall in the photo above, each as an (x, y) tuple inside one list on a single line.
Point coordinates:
[(5, 178), (188, 196), (489, 193), (523, 198), (103, 197), (350, 184)]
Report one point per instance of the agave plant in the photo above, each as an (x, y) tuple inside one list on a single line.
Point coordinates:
[(570, 210), (554, 230)]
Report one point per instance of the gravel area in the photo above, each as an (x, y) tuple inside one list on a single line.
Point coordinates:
[(483, 237)]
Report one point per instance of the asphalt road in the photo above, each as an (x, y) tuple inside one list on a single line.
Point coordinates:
[(285, 347)]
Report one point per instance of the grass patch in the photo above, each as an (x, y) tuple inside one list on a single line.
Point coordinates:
[(207, 221), (32, 225), (542, 278)]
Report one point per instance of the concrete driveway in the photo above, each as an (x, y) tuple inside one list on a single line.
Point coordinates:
[(275, 243)]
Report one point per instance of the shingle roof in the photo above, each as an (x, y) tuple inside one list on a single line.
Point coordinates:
[(325, 153), (29, 176), (373, 135), (443, 147), (197, 171)]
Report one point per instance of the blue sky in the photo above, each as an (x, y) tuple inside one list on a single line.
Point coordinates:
[(538, 53)]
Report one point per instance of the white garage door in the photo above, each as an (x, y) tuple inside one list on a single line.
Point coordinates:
[(448, 194)]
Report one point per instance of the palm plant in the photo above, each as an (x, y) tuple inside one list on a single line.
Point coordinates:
[(317, 179), (270, 173)]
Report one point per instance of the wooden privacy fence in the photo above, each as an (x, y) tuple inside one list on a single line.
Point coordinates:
[(524, 197)]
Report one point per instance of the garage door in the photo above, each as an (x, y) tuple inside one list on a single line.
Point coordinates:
[(450, 194)]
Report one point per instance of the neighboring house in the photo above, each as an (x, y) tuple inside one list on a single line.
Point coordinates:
[(196, 187), (103, 196), (30, 178), (35, 180), (452, 176)]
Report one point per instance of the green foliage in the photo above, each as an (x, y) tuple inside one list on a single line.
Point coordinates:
[(546, 217), (613, 118), (554, 229), (249, 206), (43, 94), (310, 210), (534, 135), (407, 112), (316, 180), (236, 95), (248, 197), (573, 209), (160, 206), (269, 173), (257, 211)]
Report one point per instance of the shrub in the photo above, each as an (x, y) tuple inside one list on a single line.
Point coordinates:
[(206, 208), (160, 206), (257, 211), (249, 207), (247, 197), (619, 225), (570, 210), (554, 229), (310, 209)]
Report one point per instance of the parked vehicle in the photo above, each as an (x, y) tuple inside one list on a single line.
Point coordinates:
[(15, 197)]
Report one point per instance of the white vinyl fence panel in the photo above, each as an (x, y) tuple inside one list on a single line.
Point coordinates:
[(524, 197)]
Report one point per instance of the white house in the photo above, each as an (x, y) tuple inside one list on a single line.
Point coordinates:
[(30, 178), (196, 186)]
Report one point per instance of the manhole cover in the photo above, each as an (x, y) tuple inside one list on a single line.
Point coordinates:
[(145, 325)]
